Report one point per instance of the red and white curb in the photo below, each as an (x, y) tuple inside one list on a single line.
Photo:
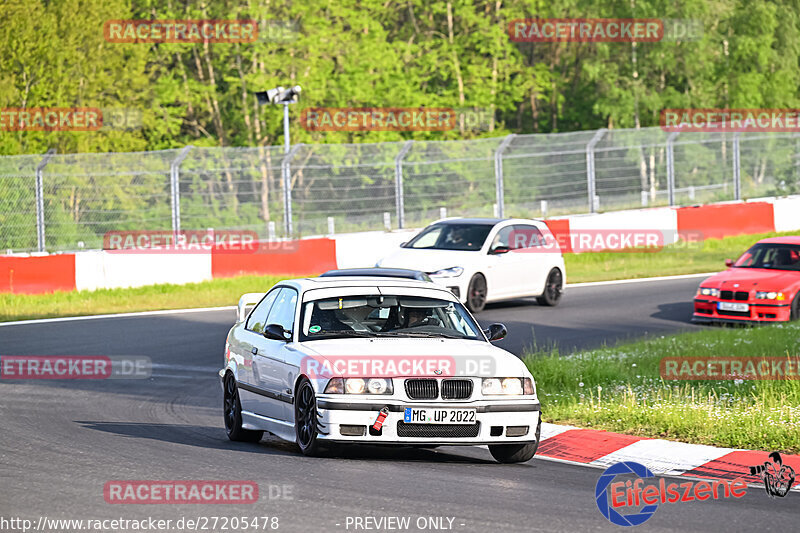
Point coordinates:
[(601, 449)]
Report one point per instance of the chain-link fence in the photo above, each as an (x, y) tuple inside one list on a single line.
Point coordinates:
[(57, 202)]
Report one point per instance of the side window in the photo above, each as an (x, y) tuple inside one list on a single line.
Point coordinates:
[(502, 238), (525, 236), (258, 318), (282, 312)]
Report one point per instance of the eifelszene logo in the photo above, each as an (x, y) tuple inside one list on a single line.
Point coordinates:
[(778, 478), (644, 492)]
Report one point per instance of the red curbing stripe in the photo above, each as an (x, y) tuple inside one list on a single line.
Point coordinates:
[(738, 463), (584, 445)]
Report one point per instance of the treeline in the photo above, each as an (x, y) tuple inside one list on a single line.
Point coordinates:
[(366, 53)]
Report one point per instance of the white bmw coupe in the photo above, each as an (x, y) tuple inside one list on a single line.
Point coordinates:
[(487, 259), (378, 357)]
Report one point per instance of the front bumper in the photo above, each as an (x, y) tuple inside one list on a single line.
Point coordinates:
[(456, 285), (706, 311), (493, 419)]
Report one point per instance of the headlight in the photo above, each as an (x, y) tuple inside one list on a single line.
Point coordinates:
[(708, 291), (770, 295), (359, 386), (506, 386), (452, 272)]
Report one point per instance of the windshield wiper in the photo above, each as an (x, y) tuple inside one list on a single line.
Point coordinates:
[(407, 333), (343, 333)]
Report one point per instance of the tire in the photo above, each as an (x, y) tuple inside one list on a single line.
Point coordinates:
[(517, 453), (232, 412), (553, 289), (795, 307), (476, 293), (305, 419)]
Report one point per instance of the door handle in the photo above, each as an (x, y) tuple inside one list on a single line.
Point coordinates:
[(254, 351)]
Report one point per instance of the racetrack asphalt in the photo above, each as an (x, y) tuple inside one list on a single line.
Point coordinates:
[(61, 441)]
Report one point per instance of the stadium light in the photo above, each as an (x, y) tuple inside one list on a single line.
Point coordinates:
[(277, 96)]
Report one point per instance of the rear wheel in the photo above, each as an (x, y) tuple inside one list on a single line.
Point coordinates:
[(305, 418), (476, 293), (516, 453), (233, 415), (553, 289)]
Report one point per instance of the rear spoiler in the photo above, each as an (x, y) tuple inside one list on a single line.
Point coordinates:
[(251, 298)]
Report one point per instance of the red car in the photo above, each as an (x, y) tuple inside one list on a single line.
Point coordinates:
[(763, 285)]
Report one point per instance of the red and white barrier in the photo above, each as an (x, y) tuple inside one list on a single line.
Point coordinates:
[(112, 269)]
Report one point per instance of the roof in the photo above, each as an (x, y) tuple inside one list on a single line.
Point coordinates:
[(305, 284), (403, 273), (791, 239), (492, 221)]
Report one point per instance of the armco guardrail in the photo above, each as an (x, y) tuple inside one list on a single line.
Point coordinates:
[(38, 273), (57, 202)]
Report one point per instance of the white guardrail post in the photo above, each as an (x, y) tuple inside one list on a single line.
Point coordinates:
[(498, 174), (737, 167), (175, 189), (671, 167), (286, 171), (40, 198), (590, 175), (398, 184)]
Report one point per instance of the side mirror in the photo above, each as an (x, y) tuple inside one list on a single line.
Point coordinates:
[(499, 250), (729, 262), (276, 332), (496, 332)]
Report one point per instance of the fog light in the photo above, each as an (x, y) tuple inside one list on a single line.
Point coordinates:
[(352, 431), (516, 431)]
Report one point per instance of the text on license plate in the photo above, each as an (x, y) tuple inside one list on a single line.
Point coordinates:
[(732, 306), (415, 415)]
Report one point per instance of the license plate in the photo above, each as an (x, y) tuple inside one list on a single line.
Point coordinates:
[(732, 306), (414, 415)]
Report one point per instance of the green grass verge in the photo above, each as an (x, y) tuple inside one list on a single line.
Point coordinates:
[(620, 389), (219, 292), (708, 256)]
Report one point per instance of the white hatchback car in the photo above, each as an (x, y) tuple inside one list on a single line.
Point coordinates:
[(374, 360), (487, 260)]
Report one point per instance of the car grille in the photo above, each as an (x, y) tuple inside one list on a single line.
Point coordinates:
[(741, 296), (456, 389), (451, 431), (422, 389)]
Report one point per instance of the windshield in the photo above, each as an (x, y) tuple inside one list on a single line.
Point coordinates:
[(386, 316), (451, 237), (772, 256)]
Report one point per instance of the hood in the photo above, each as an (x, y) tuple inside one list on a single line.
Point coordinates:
[(752, 279), (468, 357), (428, 260)]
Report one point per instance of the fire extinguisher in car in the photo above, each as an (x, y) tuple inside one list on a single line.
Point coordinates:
[(381, 417)]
